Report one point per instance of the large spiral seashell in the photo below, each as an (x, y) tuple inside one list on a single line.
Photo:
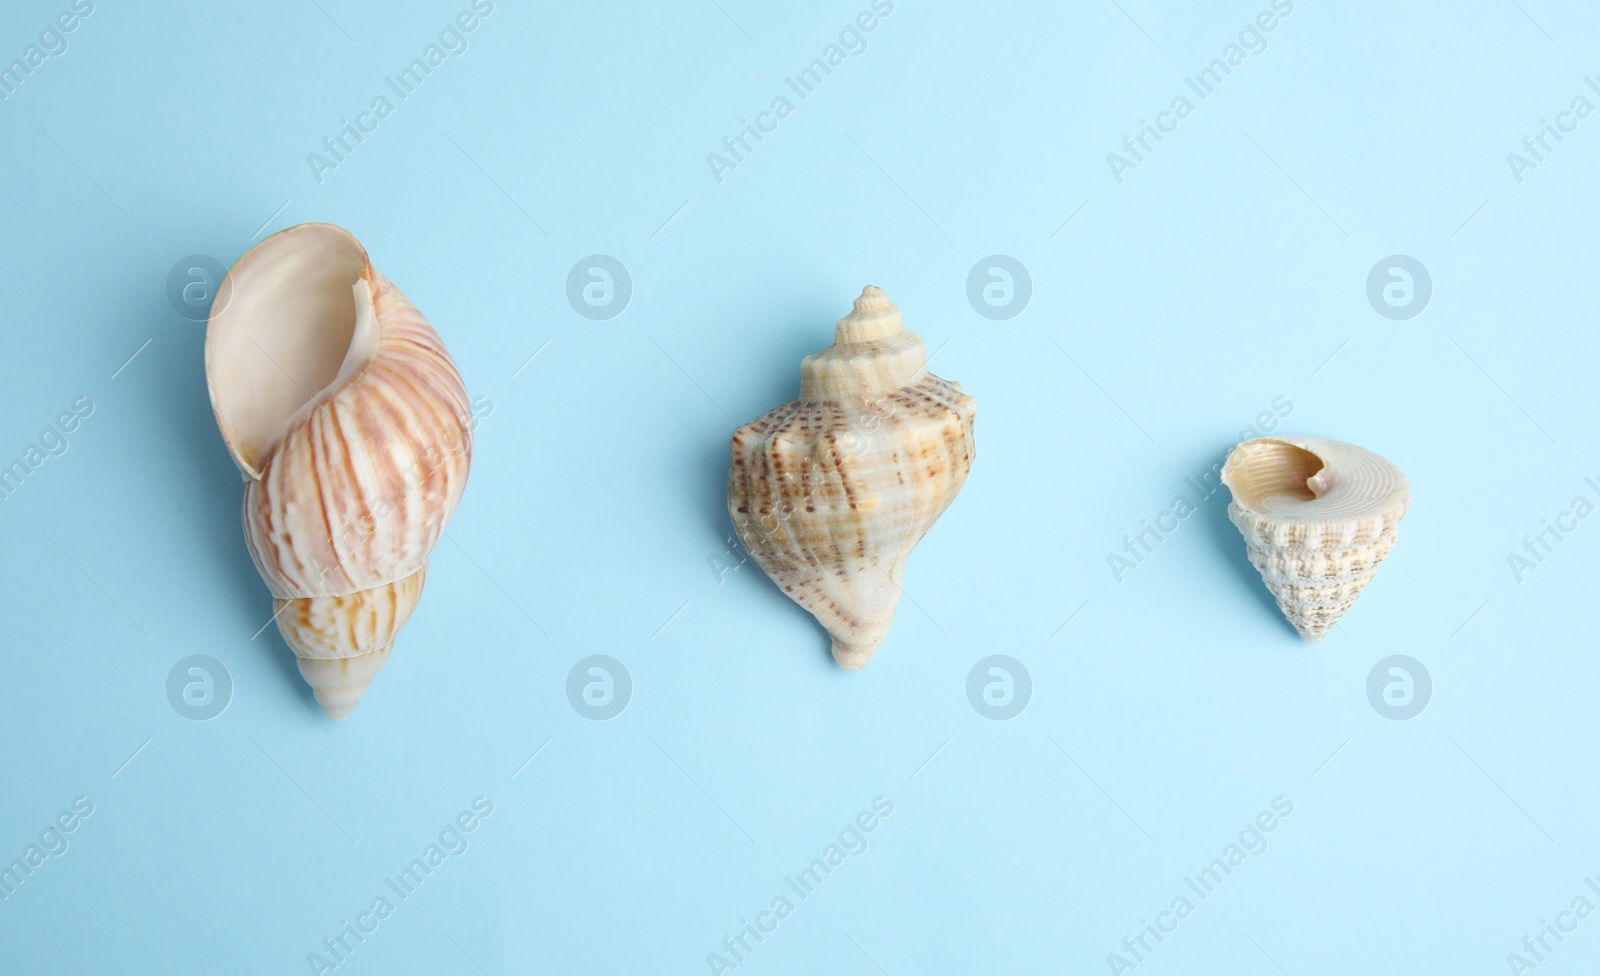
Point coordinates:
[(352, 429), (830, 493), (1317, 516)]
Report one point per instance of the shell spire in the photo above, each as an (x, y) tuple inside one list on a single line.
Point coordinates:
[(873, 353), (353, 431), (1317, 517), (831, 492)]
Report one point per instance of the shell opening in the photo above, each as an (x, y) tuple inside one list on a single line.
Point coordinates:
[(292, 322), (1275, 475)]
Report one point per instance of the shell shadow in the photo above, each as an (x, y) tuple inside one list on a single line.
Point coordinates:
[(779, 377), (713, 472), (1229, 547), (282, 660), (212, 503), (711, 492)]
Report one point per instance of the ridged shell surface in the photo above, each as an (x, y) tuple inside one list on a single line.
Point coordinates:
[(359, 490), (1318, 516), (831, 492), (346, 495)]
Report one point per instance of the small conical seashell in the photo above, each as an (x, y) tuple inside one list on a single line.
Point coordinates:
[(353, 432), (831, 493), (1317, 516)]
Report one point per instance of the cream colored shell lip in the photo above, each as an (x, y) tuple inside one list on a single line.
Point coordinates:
[(1318, 516), (314, 242), (1296, 479)]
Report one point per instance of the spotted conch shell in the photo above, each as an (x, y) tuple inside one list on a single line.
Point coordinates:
[(830, 493), (353, 432), (1317, 516)]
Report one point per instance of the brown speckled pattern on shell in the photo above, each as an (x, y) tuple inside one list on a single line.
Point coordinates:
[(829, 497)]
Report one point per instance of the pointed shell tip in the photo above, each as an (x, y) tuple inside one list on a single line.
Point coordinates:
[(854, 657), (873, 301)]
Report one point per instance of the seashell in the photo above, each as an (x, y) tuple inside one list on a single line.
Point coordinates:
[(1317, 516), (830, 493), (352, 429)]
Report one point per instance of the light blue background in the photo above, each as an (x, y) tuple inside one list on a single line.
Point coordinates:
[(1223, 272)]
